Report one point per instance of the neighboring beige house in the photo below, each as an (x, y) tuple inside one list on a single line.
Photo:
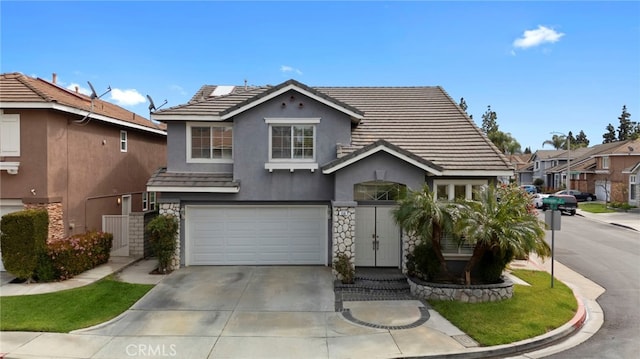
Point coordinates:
[(613, 169), (634, 184), (78, 157)]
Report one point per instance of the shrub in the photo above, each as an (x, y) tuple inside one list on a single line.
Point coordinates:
[(162, 232), (424, 261), (23, 237), (68, 257), (493, 263), (346, 271)]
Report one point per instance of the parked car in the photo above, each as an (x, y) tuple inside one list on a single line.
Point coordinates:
[(537, 199), (580, 196), (570, 204), (529, 188)]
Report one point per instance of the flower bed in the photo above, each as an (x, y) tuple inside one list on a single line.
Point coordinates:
[(462, 293)]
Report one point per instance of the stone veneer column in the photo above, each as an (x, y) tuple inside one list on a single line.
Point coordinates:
[(173, 209), (408, 245), (344, 231), (56, 219)]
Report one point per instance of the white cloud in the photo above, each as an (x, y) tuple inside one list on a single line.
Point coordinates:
[(129, 97), (82, 90), (539, 36), (285, 69)]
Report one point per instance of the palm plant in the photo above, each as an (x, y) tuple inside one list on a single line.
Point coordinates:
[(422, 216), (557, 141), (502, 223)]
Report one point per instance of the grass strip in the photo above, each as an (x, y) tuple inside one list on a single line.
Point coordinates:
[(71, 309), (595, 207), (532, 311)]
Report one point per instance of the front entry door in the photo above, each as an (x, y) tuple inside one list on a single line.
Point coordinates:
[(377, 238)]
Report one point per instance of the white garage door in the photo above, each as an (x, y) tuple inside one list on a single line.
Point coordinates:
[(256, 235), (603, 190)]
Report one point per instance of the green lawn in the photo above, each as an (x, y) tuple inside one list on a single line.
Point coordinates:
[(595, 207), (71, 309), (531, 311)]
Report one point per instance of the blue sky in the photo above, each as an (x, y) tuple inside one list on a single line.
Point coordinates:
[(542, 66)]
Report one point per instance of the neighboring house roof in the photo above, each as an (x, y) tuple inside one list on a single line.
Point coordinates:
[(18, 91), (163, 181), (584, 159), (629, 147), (633, 169), (542, 155), (422, 120)]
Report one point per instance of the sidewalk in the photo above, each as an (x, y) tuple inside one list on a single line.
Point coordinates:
[(629, 219)]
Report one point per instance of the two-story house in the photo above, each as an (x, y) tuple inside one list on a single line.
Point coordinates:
[(614, 171), (77, 156), (292, 174)]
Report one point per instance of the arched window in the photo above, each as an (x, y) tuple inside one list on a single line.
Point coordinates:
[(379, 191)]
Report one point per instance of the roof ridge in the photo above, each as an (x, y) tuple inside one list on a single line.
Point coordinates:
[(25, 80)]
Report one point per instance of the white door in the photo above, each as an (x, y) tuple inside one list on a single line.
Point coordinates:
[(256, 235), (377, 238)]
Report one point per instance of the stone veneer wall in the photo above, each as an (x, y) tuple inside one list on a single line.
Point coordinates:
[(344, 234), (56, 219), (173, 209), (462, 293)]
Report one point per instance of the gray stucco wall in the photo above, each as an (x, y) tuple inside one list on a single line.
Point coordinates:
[(395, 170)]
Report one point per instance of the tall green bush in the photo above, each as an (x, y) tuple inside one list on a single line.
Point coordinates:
[(162, 232), (23, 238)]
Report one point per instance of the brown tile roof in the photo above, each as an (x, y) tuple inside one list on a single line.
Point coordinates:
[(423, 120), (163, 178), (19, 88)]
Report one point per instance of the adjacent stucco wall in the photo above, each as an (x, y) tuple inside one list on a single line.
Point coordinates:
[(80, 166), (394, 170)]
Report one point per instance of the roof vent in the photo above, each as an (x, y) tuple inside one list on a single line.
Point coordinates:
[(221, 91)]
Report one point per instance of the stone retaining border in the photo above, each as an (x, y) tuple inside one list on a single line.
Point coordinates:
[(424, 316), (462, 293)]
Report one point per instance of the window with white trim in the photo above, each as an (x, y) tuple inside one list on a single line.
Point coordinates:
[(209, 143), (148, 201), (633, 185), (449, 190), (123, 141), (9, 135), (605, 162), (292, 143)]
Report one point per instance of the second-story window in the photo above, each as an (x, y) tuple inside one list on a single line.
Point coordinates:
[(295, 142), (605, 162), (209, 143), (123, 141)]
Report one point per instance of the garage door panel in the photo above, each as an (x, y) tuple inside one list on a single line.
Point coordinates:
[(218, 235)]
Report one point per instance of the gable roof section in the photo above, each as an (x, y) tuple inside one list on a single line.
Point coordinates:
[(220, 108), (23, 92), (163, 181), (381, 146)]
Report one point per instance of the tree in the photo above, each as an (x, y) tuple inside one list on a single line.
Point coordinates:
[(527, 150), (422, 216), (463, 104), (489, 121), (581, 140), (557, 141), (610, 135), (500, 224), (626, 127)]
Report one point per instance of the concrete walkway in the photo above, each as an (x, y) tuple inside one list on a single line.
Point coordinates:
[(283, 333)]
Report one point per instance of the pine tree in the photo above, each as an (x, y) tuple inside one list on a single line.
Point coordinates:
[(489, 121), (610, 135), (527, 151), (626, 127), (571, 141), (581, 140)]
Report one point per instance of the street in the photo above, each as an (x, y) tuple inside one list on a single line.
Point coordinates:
[(610, 256)]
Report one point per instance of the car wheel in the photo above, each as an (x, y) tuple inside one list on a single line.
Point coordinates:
[(589, 199), (573, 213)]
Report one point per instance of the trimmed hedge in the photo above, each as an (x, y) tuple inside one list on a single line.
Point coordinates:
[(23, 239), (68, 257), (162, 232)]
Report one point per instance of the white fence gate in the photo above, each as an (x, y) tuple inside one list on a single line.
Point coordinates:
[(118, 225)]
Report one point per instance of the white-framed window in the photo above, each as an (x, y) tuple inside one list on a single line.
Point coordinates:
[(448, 190), (292, 143), (605, 162), (209, 142), (148, 201), (9, 135), (123, 141), (633, 185)]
